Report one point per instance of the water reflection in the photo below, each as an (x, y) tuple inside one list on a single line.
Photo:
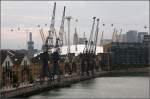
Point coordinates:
[(104, 87)]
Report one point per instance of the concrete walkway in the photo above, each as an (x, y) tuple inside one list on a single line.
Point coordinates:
[(38, 87)]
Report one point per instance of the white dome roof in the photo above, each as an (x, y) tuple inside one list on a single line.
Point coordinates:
[(79, 50)]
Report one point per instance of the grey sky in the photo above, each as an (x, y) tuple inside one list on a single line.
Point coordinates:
[(27, 14)]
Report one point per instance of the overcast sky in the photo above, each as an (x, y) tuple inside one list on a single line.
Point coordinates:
[(128, 15)]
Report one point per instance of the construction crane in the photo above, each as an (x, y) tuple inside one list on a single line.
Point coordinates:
[(61, 31), (47, 44), (43, 38), (52, 31), (96, 36), (42, 35), (90, 42)]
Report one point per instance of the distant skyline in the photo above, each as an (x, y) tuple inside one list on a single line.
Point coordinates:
[(128, 15)]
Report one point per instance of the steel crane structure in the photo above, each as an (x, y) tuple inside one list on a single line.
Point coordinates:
[(47, 45), (49, 40), (88, 63), (61, 30), (96, 36), (90, 42), (52, 31)]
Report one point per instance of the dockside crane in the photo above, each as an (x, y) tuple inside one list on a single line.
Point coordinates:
[(48, 44), (43, 38), (88, 62), (90, 42), (96, 36), (61, 30), (52, 31)]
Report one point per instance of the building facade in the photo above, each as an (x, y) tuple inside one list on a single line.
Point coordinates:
[(126, 55), (146, 43), (132, 36), (141, 36), (13, 71)]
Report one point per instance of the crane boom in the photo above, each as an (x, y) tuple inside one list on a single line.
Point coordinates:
[(61, 31), (96, 36), (42, 35), (52, 29), (91, 36)]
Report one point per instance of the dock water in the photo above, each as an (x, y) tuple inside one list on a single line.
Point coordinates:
[(65, 81)]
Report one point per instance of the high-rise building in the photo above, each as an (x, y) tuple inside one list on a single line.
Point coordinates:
[(30, 42), (75, 38), (146, 39), (31, 49), (123, 55), (132, 36), (82, 40), (141, 36)]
